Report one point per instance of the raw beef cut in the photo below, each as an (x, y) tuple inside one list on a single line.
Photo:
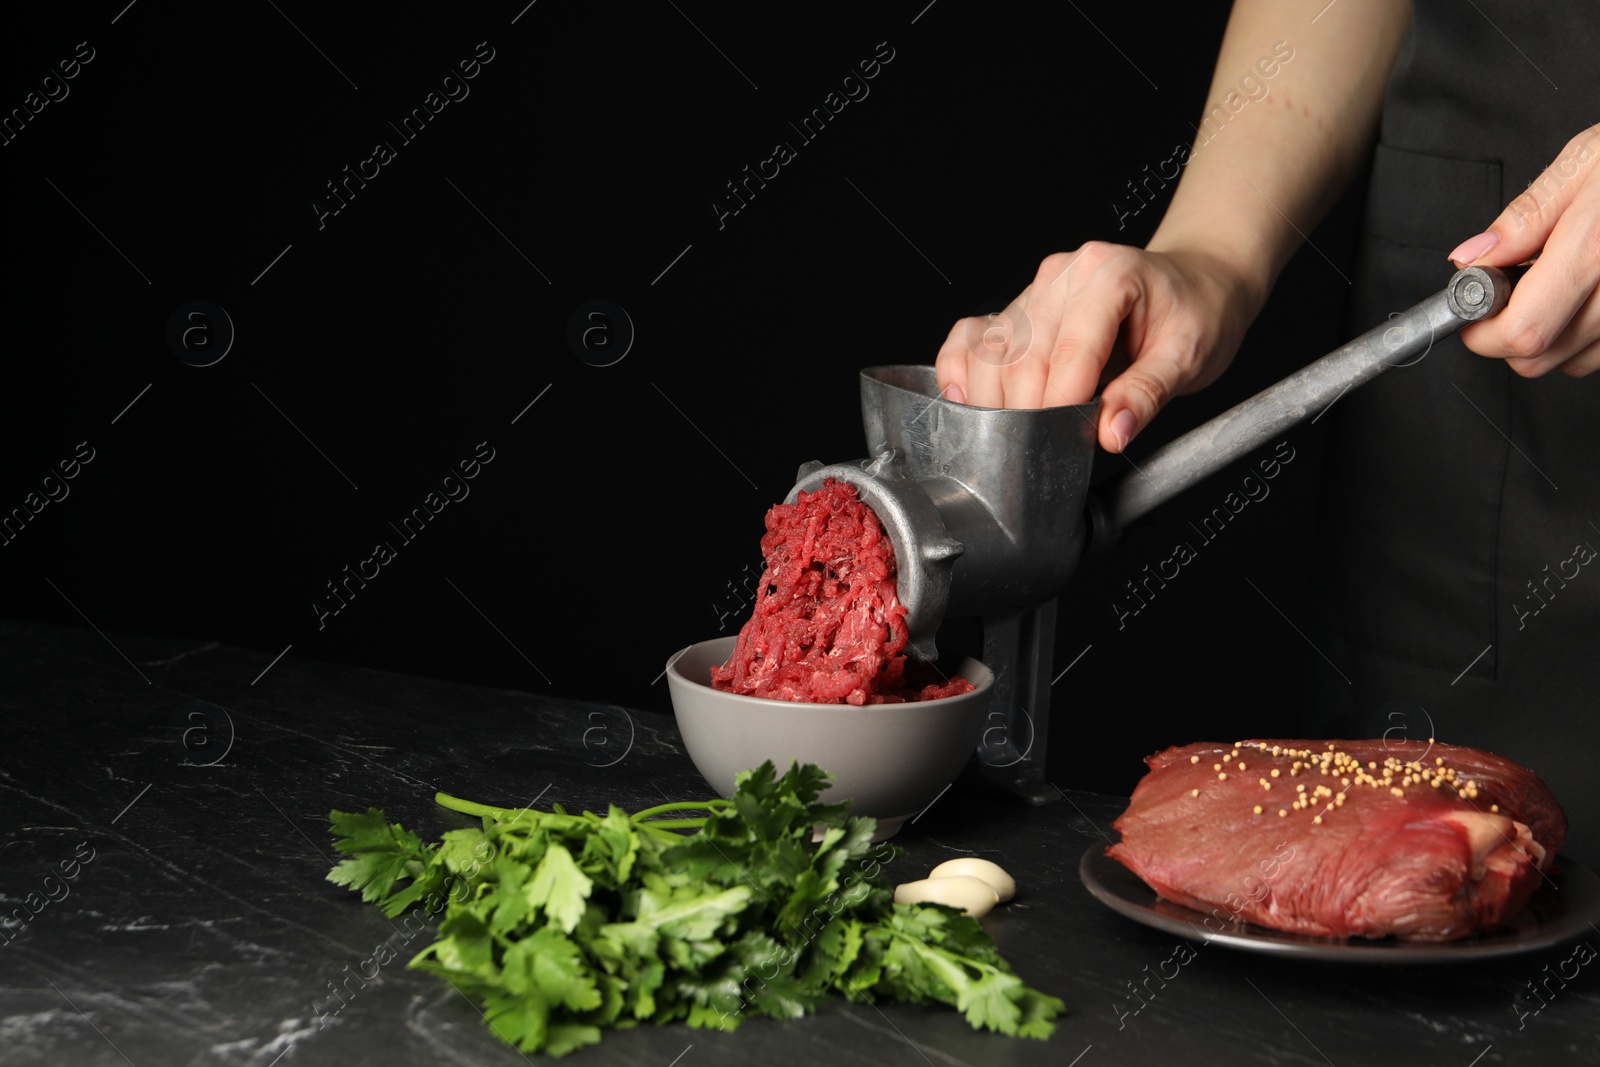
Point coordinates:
[(827, 627), (1412, 839)]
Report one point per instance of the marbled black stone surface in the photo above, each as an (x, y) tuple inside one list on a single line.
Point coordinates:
[(187, 793)]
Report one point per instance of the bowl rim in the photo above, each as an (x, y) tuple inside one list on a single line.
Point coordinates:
[(789, 705)]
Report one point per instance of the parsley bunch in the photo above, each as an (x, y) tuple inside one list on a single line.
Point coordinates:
[(562, 925)]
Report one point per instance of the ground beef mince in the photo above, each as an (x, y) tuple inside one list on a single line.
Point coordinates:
[(827, 627)]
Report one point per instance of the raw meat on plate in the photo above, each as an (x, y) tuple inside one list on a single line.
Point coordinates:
[(1417, 840)]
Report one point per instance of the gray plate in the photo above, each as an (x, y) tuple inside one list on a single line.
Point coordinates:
[(1563, 906)]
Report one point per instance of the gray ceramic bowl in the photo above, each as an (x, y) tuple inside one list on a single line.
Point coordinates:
[(889, 760)]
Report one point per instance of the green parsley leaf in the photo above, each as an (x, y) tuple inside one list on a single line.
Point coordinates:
[(380, 854), (559, 887)]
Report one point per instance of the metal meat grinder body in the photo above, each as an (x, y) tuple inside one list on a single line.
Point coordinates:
[(989, 510)]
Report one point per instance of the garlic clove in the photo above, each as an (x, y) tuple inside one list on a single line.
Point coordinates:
[(1004, 885), (972, 895)]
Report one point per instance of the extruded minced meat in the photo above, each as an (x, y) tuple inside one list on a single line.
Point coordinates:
[(1423, 842), (827, 627)]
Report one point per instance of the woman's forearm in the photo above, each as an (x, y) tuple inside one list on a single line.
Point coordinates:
[(1267, 165)]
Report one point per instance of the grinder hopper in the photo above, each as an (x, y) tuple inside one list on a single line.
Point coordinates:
[(990, 510)]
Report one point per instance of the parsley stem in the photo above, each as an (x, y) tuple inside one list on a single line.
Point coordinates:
[(468, 807), (660, 835), (713, 806), (684, 805)]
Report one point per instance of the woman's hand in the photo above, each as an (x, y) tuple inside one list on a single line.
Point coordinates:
[(1176, 311), (1553, 319), (1176, 319)]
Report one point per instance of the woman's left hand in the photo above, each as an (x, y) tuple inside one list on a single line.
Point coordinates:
[(1553, 318)]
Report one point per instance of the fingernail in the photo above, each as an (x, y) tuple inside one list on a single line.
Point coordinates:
[(1473, 247), (953, 393), (1123, 427)]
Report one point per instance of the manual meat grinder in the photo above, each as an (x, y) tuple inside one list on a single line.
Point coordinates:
[(990, 510)]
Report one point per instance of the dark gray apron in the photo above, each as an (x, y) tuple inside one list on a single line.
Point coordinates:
[(1457, 586)]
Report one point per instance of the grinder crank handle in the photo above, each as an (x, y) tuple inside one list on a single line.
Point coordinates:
[(1473, 293)]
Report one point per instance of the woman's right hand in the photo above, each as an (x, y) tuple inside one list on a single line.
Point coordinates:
[(1175, 319)]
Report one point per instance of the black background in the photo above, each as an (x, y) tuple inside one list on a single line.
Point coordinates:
[(414, 324)]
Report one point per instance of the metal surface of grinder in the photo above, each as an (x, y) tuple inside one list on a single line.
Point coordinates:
[(989, 510)]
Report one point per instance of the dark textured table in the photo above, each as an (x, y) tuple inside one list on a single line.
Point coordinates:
[(187, 793)]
